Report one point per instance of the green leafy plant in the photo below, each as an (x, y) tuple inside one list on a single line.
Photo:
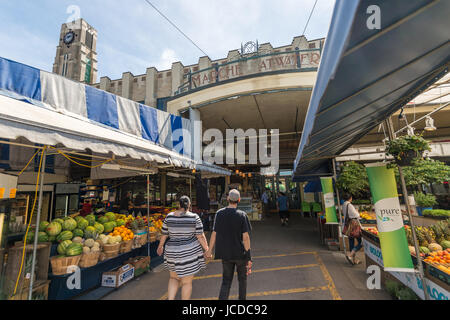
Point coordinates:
[(392, 287), (406, 293), (426, 171), (353, 179), (399, 148), (424, 200), (436, 213)]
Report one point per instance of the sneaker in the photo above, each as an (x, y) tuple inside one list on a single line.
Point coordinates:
[(349, 259)]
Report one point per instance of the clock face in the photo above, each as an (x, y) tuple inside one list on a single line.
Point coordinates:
[(69, 37)]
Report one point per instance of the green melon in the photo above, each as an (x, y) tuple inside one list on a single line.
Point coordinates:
[(65, 235), (90, 233), (111, 216), (63, 246), (82, 223), (59, 220), (445, 244), (54, 228), (99, 227), (74, 249), (103, 220), (424, 250), (43, 226), (78, 233), (109, 226), (91, 219), (70, 224), (42, 237)]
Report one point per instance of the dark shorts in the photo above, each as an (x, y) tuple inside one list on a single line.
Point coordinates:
[(284, 214)]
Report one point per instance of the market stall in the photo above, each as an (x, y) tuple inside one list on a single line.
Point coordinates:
[(57, 117)]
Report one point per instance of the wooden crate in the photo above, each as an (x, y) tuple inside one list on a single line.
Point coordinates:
[(40, 287), (13, 263)]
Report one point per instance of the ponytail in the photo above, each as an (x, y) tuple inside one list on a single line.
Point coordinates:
[(185, 202)]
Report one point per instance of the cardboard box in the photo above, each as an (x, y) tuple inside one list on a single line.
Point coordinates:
[(115, 279), (141, 264)]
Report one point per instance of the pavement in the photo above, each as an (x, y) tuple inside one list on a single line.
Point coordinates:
[(289, 263)]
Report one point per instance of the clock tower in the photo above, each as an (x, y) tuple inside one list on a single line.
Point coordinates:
[(76, 56)]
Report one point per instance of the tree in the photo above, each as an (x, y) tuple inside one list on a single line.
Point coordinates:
[(353, 179)]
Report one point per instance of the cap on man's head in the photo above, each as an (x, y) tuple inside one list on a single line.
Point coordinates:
[(234, 195)]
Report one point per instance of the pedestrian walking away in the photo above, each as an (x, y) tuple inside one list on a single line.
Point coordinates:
[(232, 240), (283, 208), (265, 202), (183, 253), (351, 217)]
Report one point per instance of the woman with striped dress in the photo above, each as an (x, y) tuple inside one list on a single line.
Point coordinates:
[(184, 251)]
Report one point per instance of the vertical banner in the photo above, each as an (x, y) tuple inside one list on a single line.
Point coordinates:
[(393, 242), (328, 197)]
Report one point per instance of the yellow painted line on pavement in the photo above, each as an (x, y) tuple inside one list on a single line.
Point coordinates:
[(261, 270), (275, 293), (328, 278), (164, 297), (276, 256)]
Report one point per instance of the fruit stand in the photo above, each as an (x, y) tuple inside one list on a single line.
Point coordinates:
[(436, 260), (89, 246)]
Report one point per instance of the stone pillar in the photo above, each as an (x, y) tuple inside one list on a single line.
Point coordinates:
[(127, 85), (177, 76), (105, 83), (196, 134), (151, 85)]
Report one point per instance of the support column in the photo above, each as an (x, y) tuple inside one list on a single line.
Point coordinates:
[(105, 83), (127, 85), (151, 82), (163, 188), (177, 76), (196, 134)]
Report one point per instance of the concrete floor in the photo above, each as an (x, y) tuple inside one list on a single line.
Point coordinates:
[(288, 263)]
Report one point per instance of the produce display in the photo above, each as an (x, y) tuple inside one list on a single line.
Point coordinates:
[(366, 215), (124, 232), (434, 243)]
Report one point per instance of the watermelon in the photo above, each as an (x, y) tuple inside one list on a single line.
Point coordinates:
[(120, 222), (445, 244), (74, 249), (109, 226), (111, 216), (91, 219), (42, 237), (43, 226), (77, 218), (103, 220), (60, 221), (90, 233), (65, 235), (52, 238), (69, 224), (54, 229), (99, 227), (63, 246), (78, 233), (424, 250), (82, 223)]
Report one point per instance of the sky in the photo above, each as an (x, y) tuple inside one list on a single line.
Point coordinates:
[(132, 36)]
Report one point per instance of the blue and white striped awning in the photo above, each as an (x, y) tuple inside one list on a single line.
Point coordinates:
[(367, 74), (49, 109)]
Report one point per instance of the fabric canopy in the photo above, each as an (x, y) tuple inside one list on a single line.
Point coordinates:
[(365, 74), (49, 109)]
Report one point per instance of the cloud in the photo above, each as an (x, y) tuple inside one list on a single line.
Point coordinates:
[(168, 56)]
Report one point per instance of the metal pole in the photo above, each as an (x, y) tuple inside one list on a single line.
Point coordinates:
[(38, 218), (148, 215), (408, 209), (339, 207)]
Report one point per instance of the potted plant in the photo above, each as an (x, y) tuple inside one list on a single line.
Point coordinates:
[(424, 202), (407, 148)]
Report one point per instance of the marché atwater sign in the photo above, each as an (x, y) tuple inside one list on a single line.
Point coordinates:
[(268, 63)]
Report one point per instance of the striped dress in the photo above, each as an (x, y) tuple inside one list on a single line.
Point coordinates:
[(183, 253)]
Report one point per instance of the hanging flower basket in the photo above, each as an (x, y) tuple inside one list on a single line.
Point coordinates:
[(405, 149), (407, 158)]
